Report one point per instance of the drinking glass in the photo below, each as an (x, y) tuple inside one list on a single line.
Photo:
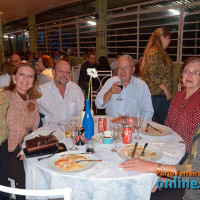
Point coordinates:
[(138, 125), (121, 86), (89, 144), (116, 130), (123, 116), (73, 136), (67, 128)]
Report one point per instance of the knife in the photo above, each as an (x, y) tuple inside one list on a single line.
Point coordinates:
[(74, 154), (134, 150), (88, 161), (154, 128)]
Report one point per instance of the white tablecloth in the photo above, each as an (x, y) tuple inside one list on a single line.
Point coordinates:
[(104, 181)]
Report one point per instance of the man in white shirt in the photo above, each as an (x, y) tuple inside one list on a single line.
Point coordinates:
[(135, 93), (61, 98)]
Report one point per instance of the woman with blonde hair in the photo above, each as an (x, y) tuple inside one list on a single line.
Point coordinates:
[(45, 65), (157, 69), (22, 116)]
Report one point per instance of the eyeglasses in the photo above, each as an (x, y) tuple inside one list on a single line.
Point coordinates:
[(124, 68), (194, 73)]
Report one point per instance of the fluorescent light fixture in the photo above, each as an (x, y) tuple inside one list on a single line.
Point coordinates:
[(5, 36), (176, 12), (11, 37), (91, 22)]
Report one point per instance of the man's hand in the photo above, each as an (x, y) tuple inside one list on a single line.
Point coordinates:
[(115, 89)]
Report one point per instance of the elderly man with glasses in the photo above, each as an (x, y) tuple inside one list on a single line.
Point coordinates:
[(134, 97), (61, 98)]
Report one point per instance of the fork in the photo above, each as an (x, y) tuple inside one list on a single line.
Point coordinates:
[(143, 151)]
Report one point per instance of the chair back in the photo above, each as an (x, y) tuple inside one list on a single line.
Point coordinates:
[(57, 193), (103, 76)]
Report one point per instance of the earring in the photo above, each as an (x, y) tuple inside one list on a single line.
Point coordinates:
[(14, 81)]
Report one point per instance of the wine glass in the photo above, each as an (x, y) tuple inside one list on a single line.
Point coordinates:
[(138, 125), (121, 86), (123, 116), (73, 136)]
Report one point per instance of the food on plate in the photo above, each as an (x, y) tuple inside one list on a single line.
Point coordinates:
[(68, 163), (116, 120), (156, 130), (150, 154)]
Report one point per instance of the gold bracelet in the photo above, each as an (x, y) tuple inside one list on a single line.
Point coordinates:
[(161, 167)]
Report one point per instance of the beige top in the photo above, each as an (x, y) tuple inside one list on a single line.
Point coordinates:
[(22, 117), (3, 108)]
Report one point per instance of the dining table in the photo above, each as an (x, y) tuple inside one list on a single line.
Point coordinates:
[(105, 180)]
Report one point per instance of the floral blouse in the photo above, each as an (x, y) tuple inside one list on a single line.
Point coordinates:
[(157, 73)]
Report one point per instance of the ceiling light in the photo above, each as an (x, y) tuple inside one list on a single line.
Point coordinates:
[(5, 36), (176, 12), (12, 37), (91, 22)]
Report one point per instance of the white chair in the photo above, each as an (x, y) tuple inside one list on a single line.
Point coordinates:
[(57, 193), (103, 76)]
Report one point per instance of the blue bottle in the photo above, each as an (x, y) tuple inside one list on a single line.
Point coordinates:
[(88, 122)]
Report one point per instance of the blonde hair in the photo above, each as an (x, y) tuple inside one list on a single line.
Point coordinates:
[(155, 43), (32, 92)]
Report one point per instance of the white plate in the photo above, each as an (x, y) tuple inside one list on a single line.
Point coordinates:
[(164, 130), (59, 135), (123, 153), (86, 165)]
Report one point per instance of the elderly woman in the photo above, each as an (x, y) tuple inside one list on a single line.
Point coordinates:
[(22, 115), (184, 112), (3, 143), (45, 64), (157, 72), (191, 164)]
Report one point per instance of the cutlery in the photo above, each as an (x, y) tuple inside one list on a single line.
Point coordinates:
[(88, 161), (153, 127), (146, 129), (143, 151), (60, 146), (134, 150), (59, 125), (74, 154)]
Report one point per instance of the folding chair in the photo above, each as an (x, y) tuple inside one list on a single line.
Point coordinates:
[(57, 193)]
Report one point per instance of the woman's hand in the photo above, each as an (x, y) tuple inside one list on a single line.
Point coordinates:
[(20, 156), (139, 165), (166, 91)]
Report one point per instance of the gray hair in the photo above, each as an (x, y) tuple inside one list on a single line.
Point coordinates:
[(127, 57)]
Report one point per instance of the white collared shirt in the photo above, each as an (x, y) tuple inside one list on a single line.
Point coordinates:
[(4, 80), (136, 99), (54, 107)]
